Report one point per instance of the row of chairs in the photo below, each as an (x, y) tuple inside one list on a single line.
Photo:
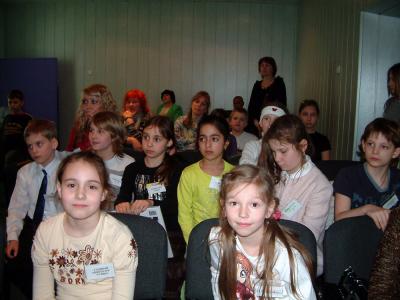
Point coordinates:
[(349, 242)]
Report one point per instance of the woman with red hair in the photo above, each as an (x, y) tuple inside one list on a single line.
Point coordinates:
[(135, 113)]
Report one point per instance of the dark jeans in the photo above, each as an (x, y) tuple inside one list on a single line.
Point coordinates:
[(19, 270)]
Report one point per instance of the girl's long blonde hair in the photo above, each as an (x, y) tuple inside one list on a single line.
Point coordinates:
[(273, 233)]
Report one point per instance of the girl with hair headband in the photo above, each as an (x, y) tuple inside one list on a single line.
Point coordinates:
[(252, 149), (95, 98)]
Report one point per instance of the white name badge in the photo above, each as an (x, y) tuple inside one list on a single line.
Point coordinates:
[(278, 289), (115, 180), (215, 183), (155, 188), (391, 202), (99, 271), (292, 208)]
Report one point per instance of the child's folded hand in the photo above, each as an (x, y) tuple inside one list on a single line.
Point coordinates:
[(140, 206), (123, 207), (379, 215), (12, 248)]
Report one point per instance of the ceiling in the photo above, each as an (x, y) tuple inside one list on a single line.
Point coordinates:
[(389, 8)]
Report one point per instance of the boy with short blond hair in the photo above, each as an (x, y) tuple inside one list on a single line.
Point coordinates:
[(237, 122), (32, 200)]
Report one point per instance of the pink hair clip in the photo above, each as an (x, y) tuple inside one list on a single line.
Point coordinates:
[(277, 214)]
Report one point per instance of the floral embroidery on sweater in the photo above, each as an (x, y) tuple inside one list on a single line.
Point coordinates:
[(68, 265)]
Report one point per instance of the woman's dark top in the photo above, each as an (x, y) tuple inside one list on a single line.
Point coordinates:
[(276, 92)]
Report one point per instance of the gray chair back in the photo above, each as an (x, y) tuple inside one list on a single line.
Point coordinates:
[(151, 240), (331, 168), (350, 242), (304, 236)]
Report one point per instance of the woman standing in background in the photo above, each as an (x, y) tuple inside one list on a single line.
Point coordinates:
[(392, 105), (270, 88)]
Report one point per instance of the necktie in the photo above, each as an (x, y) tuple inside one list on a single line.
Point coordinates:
[(39, 209)]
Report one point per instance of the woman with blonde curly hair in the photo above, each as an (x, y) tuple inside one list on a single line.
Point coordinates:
[(136, 112), (96, 98)]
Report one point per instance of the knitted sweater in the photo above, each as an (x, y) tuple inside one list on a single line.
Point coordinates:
[(385, 276), (304, 198)]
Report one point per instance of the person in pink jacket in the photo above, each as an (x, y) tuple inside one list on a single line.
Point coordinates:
[(304, 192)]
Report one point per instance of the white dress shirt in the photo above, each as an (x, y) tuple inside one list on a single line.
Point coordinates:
[(26, 190)]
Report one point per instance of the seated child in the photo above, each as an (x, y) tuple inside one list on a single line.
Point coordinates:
[(14, 123), (231, 150), (33, 199), (252, 149), (70, 246), (153, 181), (371, 188), (107, 137), (252, 256), (309, 114), (238, 102), (237, 122), (304, 192), (198, 188)]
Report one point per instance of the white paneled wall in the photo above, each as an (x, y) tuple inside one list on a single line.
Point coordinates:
[(153, 45), (327, 66), (379, 50)]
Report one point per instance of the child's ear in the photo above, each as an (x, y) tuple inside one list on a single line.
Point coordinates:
[(363, 145), (396, 153), (303, 145), (226, 144), (270, 209), (104, 195), (59, 189), (169, 144), (54, 143)]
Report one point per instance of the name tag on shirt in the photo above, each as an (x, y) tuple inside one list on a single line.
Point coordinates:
[(278, 289), (99, 271), (155, 188), (391, 202), (215, 183), (115, 180), (292, 208)]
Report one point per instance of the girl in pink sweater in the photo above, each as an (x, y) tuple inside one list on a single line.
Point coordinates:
[(304, 192)]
